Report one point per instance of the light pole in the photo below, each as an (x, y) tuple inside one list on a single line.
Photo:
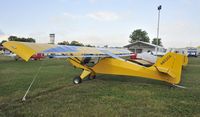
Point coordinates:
[(159, 8)]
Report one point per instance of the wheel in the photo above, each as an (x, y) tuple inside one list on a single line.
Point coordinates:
[(77, 80)]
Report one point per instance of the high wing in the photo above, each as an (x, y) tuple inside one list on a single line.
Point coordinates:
[(25, 50)]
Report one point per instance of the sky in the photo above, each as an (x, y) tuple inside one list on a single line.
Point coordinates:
[(101, 22)]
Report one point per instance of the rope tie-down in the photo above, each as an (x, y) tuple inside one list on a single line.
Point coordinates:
[(34, 78)]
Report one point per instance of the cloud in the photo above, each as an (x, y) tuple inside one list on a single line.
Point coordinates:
[(180, 33), (66, 16), (71, 16), (100, 16), (103, 16)]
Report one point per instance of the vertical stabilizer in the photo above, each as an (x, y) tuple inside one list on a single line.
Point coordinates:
[(172, 63)]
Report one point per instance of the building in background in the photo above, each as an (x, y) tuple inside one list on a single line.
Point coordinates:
[(140, 46), (198, 49), (52, 38), (189, 51)]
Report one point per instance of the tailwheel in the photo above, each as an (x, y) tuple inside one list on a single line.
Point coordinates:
[(77, 80)]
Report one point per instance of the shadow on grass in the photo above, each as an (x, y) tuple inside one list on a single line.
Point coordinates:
[(129, 79), (19, 102)]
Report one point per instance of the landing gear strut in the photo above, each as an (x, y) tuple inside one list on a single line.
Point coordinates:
[(87, 71)]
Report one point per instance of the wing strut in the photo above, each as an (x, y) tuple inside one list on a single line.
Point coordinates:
[(36, 75), (179, 86)]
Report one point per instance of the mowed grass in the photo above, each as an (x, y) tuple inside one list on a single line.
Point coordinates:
[(54, 94)]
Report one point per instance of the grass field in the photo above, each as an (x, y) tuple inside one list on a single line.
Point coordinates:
[(53, 93)]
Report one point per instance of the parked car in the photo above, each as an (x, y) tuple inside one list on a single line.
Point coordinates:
[(38, 56)]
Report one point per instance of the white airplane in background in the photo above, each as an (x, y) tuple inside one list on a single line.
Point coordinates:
[(148, 57)]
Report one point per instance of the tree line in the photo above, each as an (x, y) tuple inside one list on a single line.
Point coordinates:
[(136, 35), (72, 43), (15, 38)]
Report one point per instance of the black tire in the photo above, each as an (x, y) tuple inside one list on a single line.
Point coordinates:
[(77, 80)]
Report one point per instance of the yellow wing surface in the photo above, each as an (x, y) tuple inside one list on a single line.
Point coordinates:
[(26, 50)]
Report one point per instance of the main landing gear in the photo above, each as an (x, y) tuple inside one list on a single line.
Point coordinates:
[(87, 71), (78, 80)]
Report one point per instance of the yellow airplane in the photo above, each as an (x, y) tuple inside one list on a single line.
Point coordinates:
[(105, 61)]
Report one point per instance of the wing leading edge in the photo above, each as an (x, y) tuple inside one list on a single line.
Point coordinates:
[(26, 50)]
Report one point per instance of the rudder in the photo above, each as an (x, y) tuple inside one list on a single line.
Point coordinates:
[(171, 64)]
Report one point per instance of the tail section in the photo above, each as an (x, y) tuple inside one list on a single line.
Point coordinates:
[(185, 60), (171, 64)]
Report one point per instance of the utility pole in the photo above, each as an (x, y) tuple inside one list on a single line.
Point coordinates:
[(159, 8)]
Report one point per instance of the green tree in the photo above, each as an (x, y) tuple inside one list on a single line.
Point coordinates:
[(89, 45), (15, 38), (105, 46), (30, 40), (63, 43), (76, 43), (154, 41), (139, 35)]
